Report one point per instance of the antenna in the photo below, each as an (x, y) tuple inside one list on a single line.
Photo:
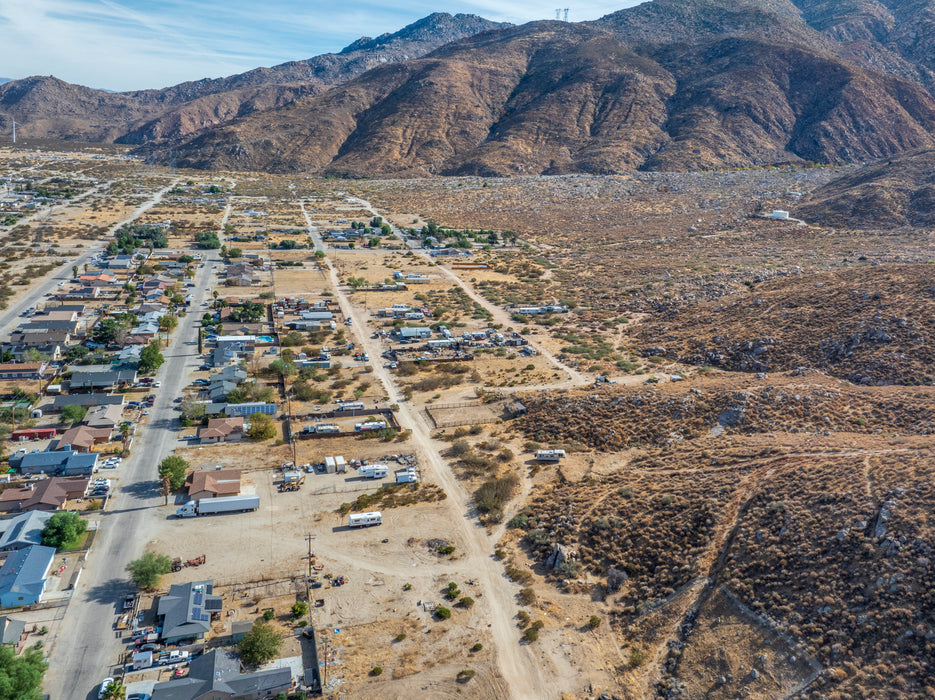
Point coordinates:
[(566, 14), (14, 129), (558, 13)]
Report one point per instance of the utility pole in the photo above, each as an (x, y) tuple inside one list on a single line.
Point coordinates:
[(14, 129)]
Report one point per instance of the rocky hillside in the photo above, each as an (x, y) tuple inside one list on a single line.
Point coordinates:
[(53, 109), (552, 97), (895, 192)]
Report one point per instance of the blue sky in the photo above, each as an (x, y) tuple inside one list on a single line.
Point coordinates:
[(135, 44)]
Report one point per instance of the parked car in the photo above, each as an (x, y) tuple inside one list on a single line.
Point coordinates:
[(104, 684)]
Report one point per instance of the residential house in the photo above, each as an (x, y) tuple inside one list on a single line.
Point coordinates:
[(86, 400), (22, 370), (12, 632), (216, 676), (61, 462), (120, 262), (81, 293), (218, 391), (104, 416), (185, 612), (211, 483), (231, 373), (24, 530), (412, 332), (23, 576), (99, 280), (82, 438), (222, 430), (229, 347), (248, 409), (91, 379), (42, 325)]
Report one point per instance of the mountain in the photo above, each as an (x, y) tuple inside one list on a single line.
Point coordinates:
[(51, 108), (892, 193), (668, 85)]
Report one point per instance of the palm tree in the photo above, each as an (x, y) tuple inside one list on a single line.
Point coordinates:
[(125, 434), (115, 690)]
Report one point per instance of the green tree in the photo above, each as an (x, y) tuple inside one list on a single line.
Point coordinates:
[(33, 355), (151, 358), (300, 609), (74, 272), (63, 528), (235, 253), (73, 414), (261, 427), (148, 569), (21, 676), (282, 368), (261, 644), (374, 242), (76, 352), (168, 323), (319, 254), (176, 469), (115, 690)]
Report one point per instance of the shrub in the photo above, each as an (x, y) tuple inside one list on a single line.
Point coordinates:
[(527, 596), (522, 618), (637, 657), (530, 635), (466, 602), (465, 675), (594, 622), (376, 670), (268, 614), (447, 549), (518, 521), (148, 569), (477, 647), (300, 609), (399, 637), (442, 613)]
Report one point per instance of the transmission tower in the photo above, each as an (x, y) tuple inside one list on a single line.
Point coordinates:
[(558, 13), (566, 14)]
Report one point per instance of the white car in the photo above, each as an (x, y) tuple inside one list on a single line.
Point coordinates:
[(106, 682)]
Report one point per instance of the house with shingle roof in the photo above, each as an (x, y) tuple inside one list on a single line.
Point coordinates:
[(210, 483)]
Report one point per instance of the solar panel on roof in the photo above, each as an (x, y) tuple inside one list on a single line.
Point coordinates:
[(198, 597), (205, 617), (196, 613), (213, 604)]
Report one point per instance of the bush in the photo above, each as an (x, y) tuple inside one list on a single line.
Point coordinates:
[(531, 635), (522, 618), (493, 495), (465, 675), (399, 637), (527, 596), (376, 670), (268, 614), (518, 521), (442, 613), (261, 427), (467, 602), (594, 622), (148, 569), (300, 609), (637, 657), (62, 529)]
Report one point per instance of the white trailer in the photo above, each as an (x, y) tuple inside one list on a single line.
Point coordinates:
[(364, 519), (549, 455), (224, 504), (374, 471)]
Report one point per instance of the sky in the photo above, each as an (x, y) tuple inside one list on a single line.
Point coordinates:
[(137, 44)]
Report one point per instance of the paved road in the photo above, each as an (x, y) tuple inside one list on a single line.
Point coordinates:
[(87, 647), (12, 316)]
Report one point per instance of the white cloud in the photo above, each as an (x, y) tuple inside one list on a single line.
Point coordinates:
[(134, 44)]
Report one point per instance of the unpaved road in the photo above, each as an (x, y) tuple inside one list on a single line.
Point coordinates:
[(519, 667)]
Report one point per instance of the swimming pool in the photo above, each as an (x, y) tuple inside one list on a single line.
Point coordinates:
[(266, 339)]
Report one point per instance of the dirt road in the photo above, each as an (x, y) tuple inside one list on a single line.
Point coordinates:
[(517, 664)]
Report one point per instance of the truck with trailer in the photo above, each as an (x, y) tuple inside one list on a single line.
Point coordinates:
[(222, 504), (365, 519)]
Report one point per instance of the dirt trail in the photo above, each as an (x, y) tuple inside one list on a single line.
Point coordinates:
[(520, 669), (574, 377)]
